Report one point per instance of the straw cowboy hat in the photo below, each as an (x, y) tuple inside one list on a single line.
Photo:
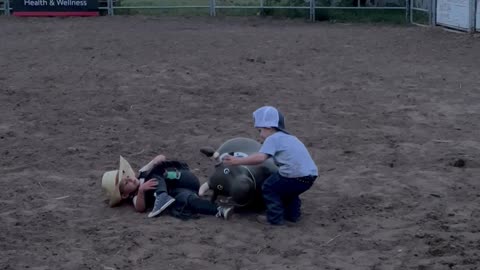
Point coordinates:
[(111, 181)]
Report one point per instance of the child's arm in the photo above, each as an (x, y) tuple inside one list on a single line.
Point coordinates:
[(154, 162), (139, 202), (139, 199), (254, 159)]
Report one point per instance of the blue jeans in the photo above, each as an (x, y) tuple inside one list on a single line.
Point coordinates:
[(281, 195), (189, 200), (188, 181), (184, 190)]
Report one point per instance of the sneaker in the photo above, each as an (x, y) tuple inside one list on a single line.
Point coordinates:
[(292, 220), (264, 220), (162, 201), (225, 212)]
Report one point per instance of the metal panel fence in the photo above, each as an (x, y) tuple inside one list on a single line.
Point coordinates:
[(421, 12), (422, 8), (5, 7), (310, 6), (211, 7)]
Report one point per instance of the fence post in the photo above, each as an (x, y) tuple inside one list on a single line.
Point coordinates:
[(110, 7), (212, 8), (312, 10), (411, 11), (433, 13), (430, 12), (407, 7), (6, 5), (477, 13), (472, 21)]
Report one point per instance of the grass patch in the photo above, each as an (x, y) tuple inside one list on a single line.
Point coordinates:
[(362, 16), (164, 11), (161, 3), (238, 12)]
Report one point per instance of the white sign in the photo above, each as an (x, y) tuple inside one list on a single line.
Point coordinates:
[(454, 13)]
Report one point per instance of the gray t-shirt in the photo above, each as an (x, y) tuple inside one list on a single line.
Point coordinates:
[(290, 155)]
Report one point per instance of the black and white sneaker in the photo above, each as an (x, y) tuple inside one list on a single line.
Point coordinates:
[(162, 202), (224, 212)]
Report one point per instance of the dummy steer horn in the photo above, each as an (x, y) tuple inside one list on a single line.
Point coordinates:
[(203, 189), (208, 151)]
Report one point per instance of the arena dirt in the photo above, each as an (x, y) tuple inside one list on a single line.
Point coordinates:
[(386, 111)]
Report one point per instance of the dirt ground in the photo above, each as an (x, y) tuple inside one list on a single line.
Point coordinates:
[(386, 111)]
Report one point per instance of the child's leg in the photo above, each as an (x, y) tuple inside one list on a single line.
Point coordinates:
[(161, 185), (292, 200), (202, 206), (281, 197), (162, 199), (188, 180), (292, 209), (197, 205), (271, 190)]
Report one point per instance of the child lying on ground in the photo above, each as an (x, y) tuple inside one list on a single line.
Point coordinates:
[(160, 184)]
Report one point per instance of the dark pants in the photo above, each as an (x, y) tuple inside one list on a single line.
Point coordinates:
[(187, 181), (161, 185), (188, 200), (282, 199), (184, 190)]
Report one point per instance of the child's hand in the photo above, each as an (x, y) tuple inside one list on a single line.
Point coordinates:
[(148, 185), (229, 160)]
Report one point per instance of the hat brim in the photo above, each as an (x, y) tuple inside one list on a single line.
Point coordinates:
[(115, 196), (124, 170), (282, 130), (110, 186)]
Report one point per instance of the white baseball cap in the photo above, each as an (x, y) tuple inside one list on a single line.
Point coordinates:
[(269, 117)]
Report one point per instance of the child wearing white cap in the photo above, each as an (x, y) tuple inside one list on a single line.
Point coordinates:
[(297, 170)]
